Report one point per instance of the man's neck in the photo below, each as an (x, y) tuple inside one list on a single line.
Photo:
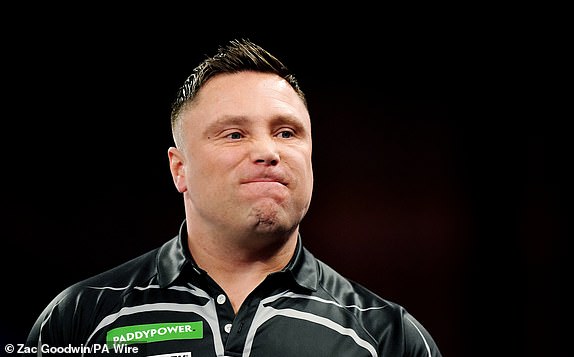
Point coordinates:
[(238, 265)]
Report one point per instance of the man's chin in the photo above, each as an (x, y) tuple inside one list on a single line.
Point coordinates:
[(269, 218)]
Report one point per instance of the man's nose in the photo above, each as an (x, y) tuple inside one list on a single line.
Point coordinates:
[(265, 152)]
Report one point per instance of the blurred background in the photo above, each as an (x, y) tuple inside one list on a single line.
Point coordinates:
[(439, 161)]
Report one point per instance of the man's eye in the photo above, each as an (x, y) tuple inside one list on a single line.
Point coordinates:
[(286, 134), (235, 136)]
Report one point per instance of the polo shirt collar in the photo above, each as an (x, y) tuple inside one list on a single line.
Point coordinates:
[(174, 256), (303, 267)]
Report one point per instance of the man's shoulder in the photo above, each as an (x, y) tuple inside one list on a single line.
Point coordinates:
[(372, 310), (87, 301), (131, 272), (349, 292), (118, 280)]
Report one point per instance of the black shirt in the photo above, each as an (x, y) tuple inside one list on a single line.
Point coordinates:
[(161, 303)]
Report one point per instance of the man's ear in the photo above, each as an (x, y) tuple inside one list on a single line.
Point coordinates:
[(177, 168)]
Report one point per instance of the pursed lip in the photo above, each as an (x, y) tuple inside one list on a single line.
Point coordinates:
[(263, 179)]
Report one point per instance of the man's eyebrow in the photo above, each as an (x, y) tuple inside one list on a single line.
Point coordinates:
[(289, 121), (224, 122)]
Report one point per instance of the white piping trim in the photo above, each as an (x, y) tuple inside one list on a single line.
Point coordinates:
[(422, 336)]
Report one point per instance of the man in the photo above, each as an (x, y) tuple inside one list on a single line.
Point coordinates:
[(236, 280)]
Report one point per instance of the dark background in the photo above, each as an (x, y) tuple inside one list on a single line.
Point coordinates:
[(438, 158)]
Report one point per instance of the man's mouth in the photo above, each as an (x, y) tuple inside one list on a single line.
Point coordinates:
[(265, 179)]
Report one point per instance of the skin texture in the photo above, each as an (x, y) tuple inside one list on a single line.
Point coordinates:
[(244, 169)]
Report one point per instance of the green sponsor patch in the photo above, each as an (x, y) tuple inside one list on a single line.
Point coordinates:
[(155, 332)]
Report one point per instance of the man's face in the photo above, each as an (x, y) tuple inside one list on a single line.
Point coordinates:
[(246, 156)]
